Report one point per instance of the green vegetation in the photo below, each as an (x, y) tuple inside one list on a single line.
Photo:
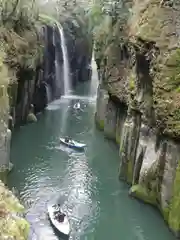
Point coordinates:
[(165, 213), (100, 123), (166, 92), (132, 81), (19, 25), (19, 40), (174, 211), (12, 226), (108, 19), (129, 172), (148, 187), (143, 194)]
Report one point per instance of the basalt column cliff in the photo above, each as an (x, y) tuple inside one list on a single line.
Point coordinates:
[(138, 58)]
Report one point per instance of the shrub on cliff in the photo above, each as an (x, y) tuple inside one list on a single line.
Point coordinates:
[(107, 18), (18, 24), (73, 15), (74, 18), (12, 227)]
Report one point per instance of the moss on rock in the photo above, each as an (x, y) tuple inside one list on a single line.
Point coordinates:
[(132, 82), (31, 118), (14, 228), (165, 213), (147, 188), (166, 93), (100, 124), (129, 172), (11, 225), (174, 211), (143, 194)]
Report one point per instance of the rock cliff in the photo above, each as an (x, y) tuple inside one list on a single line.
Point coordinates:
[(11, 224), (138, 58)]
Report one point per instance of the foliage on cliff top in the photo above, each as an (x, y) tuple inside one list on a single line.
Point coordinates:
[(110, 40), (153, 21), (12, 226), (18, 24), (73, 17)]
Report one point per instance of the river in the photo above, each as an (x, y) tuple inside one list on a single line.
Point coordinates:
[(85, 183)]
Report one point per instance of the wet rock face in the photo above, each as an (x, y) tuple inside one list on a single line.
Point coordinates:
[(128, 146), (24, 96), (110, 120), (102, 100), (140, 66)]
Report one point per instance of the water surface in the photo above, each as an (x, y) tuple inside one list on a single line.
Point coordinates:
[(85, 183)]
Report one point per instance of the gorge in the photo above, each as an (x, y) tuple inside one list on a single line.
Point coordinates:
[(47, 68)]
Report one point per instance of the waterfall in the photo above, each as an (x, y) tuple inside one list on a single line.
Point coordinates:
[(94, 78), (66, 73)]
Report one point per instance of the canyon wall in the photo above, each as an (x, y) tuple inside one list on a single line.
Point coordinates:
[(12, 224), (138, 59), (37, 86)]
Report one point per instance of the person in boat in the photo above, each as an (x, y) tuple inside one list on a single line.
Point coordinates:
[(59, 216), (67, 139), (77, 105)]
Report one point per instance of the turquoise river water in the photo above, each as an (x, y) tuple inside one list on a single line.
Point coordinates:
[(85, 183)]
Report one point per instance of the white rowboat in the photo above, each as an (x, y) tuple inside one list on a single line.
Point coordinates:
[(72, 143), (63, 227)]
